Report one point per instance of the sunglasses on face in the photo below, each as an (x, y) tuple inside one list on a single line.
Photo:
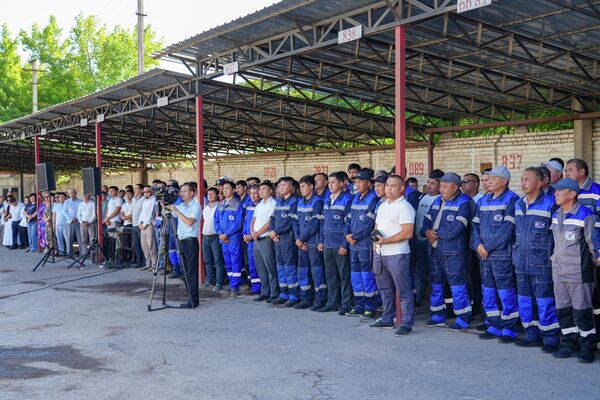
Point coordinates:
[(465, 182)]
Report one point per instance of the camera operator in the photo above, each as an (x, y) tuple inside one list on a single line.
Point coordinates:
[(189, 213), (394, 226)]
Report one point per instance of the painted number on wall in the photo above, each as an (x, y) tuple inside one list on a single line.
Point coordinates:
[(270, 172), (416, 168), (321, 169), (512, 161)]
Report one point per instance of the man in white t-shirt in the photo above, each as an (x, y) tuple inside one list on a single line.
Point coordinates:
[(395, 224), (113, 209)]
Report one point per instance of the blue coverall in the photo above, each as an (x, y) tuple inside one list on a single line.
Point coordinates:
[(286, 252), (228, 221), (310, 262), (360, 222), (254, 279), (449, 256), (493, 226), (531, 257)]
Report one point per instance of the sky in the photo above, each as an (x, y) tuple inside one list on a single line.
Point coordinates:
[(174, 20)]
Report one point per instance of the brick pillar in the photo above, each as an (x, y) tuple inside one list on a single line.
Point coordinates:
[(582, 137)]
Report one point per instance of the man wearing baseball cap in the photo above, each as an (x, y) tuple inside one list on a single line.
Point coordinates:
[(360, 222), (576, 248), (493, 228), (445, 226), (554, 171)]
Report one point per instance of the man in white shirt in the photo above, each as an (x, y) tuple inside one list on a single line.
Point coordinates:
[(136, 207), (86, 215), (214, 264), (15, 219), (391, 264), (70, 211), (113, 211), (146, 225), (264, 249)]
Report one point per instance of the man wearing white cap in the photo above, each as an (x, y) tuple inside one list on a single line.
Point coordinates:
[(493, 228)]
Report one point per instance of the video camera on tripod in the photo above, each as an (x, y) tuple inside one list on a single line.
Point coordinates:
[(168, 194)]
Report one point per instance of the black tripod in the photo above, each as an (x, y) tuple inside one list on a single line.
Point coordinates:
[(165, 230), (95, 246)]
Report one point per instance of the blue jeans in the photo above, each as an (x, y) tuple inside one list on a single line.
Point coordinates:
[(32, 233), (214, 264)]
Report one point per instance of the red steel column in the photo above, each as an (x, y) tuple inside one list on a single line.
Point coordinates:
[(36, 145), (400, 120), (99, 197), (200, 166), (400, 94)]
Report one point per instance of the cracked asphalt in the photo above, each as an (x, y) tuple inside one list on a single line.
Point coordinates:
[(71, 334)]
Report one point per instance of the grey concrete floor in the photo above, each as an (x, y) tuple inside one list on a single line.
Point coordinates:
[(71, 334)]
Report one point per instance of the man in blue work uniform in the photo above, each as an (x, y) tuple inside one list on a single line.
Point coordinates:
[(286, 253), (576, 249), (247, 235), (353, 170), (321, 182), (446, 227), (531, 257), (241, 192), (492, 233), (360, 222), (229, 219), (334, 246), (310, 260)]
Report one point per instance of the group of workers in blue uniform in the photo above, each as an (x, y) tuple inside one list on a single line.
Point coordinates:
[(537, 253)]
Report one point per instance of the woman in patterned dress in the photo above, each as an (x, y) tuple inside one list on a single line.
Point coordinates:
[(41, 222), (49, 229)]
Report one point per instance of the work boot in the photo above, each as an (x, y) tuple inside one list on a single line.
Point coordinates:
[(528, 343), (586, 352), (568, 347), (482, 327), (327, 308), (455, 327), (290, 303), (487, 336), (278, 301), (434, 324), (343, 311), (316, 307), (368, 315), (302, 305), (354, 313), (506, 339)]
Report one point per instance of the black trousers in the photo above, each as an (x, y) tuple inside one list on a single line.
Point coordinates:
[(15, 234), (337, 273), (137, 246), (190, 249)]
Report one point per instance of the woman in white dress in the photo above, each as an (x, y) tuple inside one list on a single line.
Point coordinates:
[(7, 240)]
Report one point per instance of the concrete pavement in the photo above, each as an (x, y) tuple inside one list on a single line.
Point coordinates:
[(70, 334)]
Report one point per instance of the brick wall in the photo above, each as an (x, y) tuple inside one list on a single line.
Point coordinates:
[(517, 151)]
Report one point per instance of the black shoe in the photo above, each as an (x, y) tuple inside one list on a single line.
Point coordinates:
[(380, 324), (487, 336), (136, 265), (303, 304), (586, 357), (507, 339), (175, 275), (343, 311), (482, 327), (316, 307), (528, 343), (403, 331), (278, 301), (13, 247), (327, 308), (290, 303), (260, 298), (565, 351), (271, 299), (549, 348)]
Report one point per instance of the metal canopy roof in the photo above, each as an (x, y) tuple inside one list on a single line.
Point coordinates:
[(247, 116), (511, 58), (297, 88)]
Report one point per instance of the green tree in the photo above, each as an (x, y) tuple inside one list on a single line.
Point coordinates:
[(13, 85)]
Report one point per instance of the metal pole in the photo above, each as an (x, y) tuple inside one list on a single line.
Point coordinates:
[(430, 154), (34, 84), (140, 33), (400, 95), (38, 201), (99, 197), (200, 163), (400, 120)]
